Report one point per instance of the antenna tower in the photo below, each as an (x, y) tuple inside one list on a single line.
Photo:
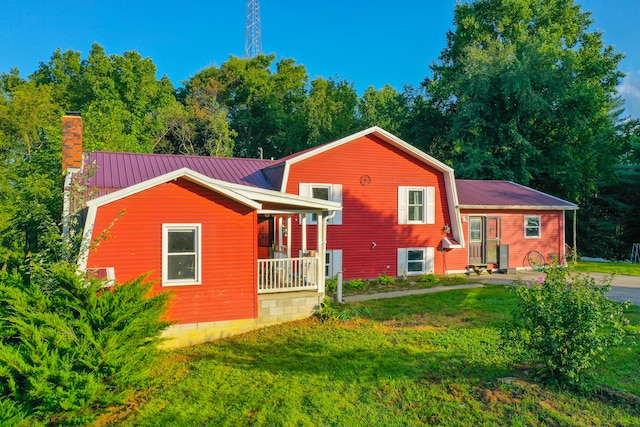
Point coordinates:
[(253, 36)]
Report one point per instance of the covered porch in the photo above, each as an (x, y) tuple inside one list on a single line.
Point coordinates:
[(278, 269)]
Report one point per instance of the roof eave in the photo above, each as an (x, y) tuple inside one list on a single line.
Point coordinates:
[(520, 207)]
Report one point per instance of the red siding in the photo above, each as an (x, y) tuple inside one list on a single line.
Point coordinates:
[(134, 246), (370, 213), (551, 240)]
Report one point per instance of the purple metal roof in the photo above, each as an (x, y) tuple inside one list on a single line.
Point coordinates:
[(120, 170), (505, 193)]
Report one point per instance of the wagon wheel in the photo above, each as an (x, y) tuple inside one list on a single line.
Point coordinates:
[(535, 259)]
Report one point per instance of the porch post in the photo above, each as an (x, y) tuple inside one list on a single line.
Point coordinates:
[(303, 222), (289, 236), (322, 244)]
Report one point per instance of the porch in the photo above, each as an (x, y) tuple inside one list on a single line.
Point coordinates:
[(288, 274)]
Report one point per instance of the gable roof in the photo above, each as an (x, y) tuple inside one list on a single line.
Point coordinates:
[(279, 171), (266, 201), (121, 170), (481, 194)]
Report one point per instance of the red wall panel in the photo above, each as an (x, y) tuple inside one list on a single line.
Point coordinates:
[(550, 241), (134, 246), (370, 212)]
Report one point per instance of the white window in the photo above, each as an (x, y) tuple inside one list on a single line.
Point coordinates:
[(415, 261), (532, 226), (332, 263), (416, 205), (329, 192), (181, 254)]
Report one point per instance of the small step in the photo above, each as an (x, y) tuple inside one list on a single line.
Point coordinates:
[(478, 268)]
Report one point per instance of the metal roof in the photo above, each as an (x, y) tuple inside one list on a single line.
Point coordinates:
[(506, 195), (121, 170)]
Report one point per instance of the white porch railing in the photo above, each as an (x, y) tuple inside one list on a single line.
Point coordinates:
[(287, 274)]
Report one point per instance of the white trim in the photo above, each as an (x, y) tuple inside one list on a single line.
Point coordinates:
[(428, 204), (305, 189), (166, 228), (87, 233), (539, 236), (329, 188), (518, 207), (249, 196), (423, 215), (384, 135), (186, 173), (448, 172), (448, 244), (335, 262), (403, 217), (428, 261), (336, 197), (245, 195)]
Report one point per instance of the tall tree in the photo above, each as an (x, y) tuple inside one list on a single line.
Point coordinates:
[(30, 170), (262, 104), (426, 125), (330, 110), (531, 95), (385, 108), (122, 102)]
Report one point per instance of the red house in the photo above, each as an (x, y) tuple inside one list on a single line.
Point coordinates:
[(243, 243), (510, 226), (195, 236), (404, 214)]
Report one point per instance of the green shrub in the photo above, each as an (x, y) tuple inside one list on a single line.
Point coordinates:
[(73, 348), (330, 310), (428, 279), (565, 323), (331, 285), (384, 280), (355, 284)]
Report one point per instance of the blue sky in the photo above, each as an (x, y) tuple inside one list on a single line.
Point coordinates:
[(370, 43)]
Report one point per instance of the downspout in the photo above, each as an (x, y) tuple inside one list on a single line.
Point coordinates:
[(323, 250), (66, 207)]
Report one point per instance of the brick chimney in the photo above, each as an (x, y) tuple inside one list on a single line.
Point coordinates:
[(72, 141)]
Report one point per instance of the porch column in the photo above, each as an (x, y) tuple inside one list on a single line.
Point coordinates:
[(322, 245), (289, 236), (303, 223)]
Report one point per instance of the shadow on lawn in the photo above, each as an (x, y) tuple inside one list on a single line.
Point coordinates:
[(362, 352)]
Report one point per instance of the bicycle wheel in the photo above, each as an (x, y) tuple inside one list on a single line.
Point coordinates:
[(535, 259)]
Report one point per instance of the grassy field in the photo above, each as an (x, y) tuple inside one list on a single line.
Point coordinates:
[(421, 360), (609, 268)]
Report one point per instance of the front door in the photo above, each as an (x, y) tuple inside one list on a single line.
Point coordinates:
[(484, 239), (265, 236), (476, 240)]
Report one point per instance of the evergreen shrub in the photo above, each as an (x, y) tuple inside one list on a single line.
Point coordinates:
[(71, 348)]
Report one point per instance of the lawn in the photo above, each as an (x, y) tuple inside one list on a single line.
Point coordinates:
[(624, 268), (432, 359)]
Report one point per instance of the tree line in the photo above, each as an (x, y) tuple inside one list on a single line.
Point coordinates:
[(524, 90)]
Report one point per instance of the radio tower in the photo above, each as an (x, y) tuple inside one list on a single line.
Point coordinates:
[(253, 37)]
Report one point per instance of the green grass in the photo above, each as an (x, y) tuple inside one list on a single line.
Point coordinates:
[(371, 286), (624, 268), (432, 359)]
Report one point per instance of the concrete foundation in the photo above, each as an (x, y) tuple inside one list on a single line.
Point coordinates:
[(272, 309)]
